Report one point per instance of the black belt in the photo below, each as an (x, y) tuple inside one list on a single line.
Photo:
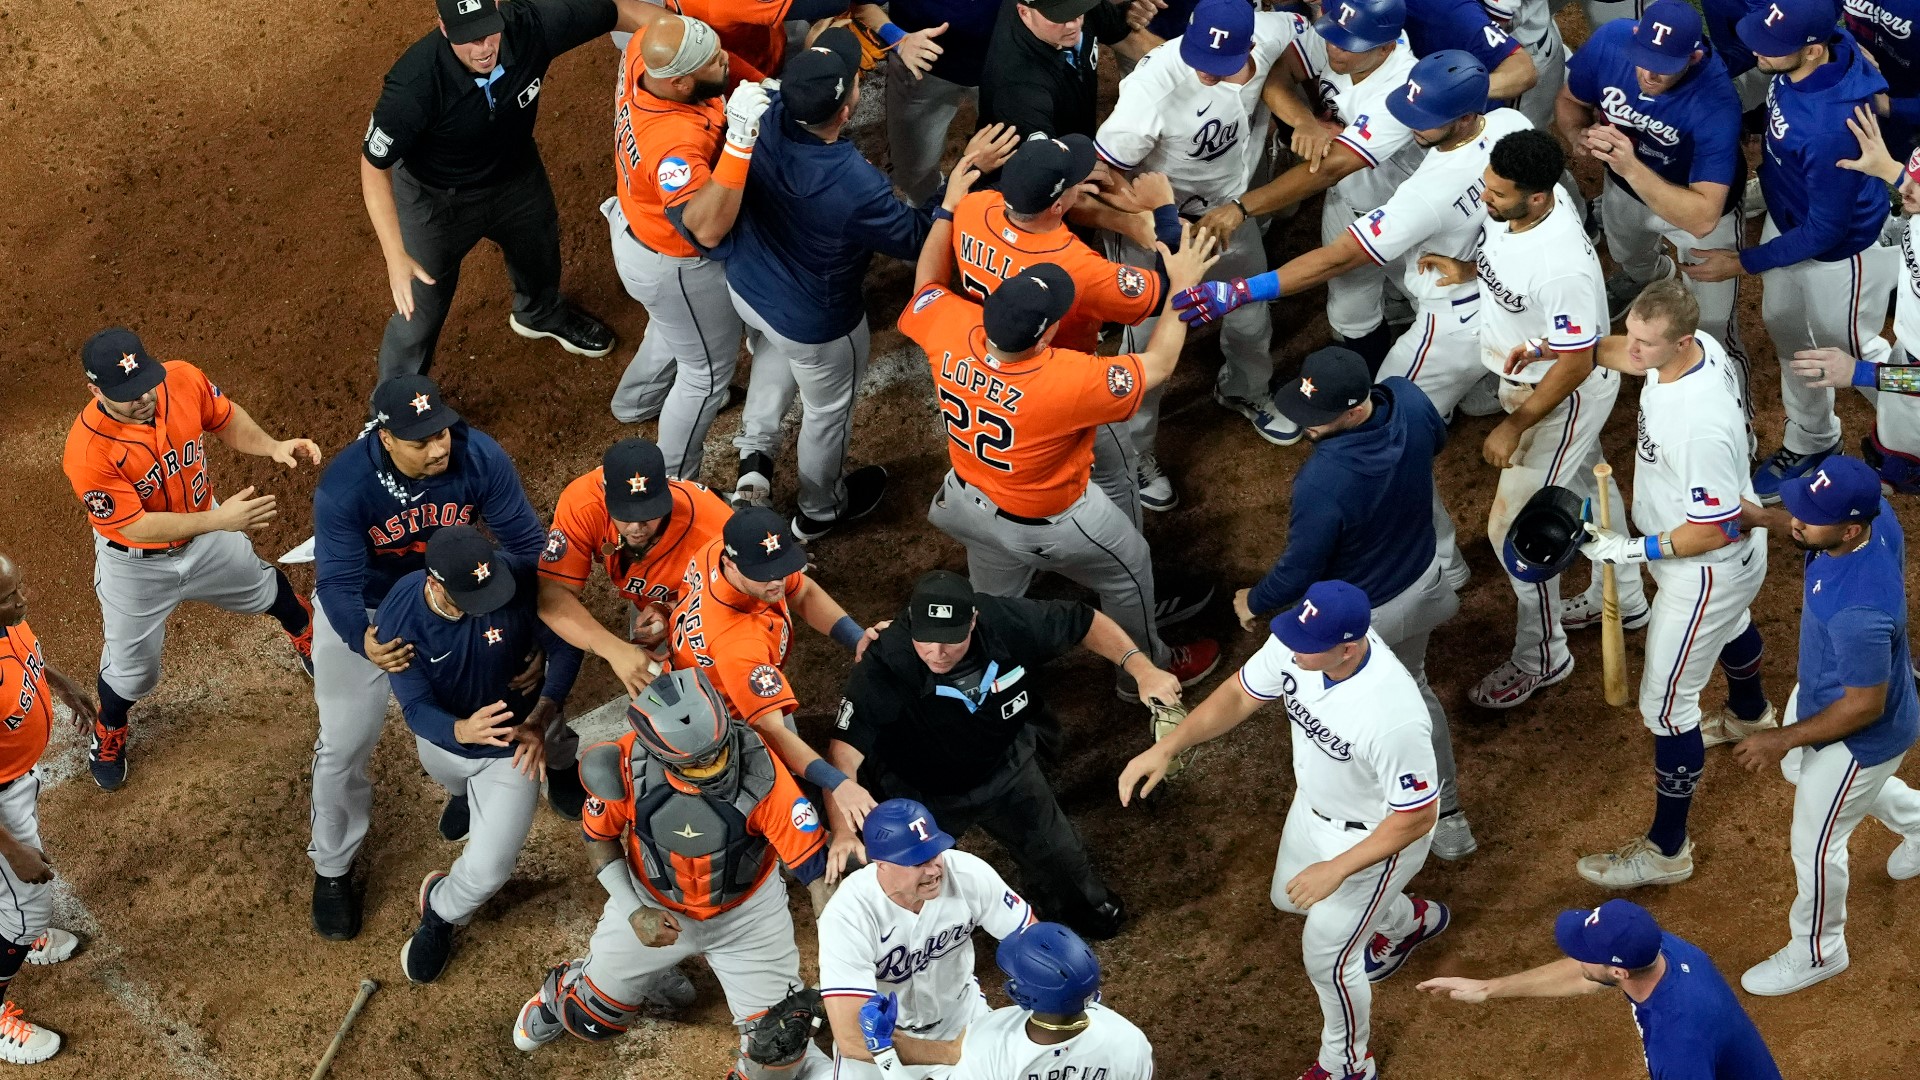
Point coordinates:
[(1360, 826), (1015, 518), (16, 780), (147, 553)]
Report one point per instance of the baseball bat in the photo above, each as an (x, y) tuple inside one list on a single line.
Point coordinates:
[(1613, 639), (367, 987)]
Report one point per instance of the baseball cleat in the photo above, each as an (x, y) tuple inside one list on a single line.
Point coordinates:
[(578, 333), (535, 1027), (755, 484), (865, 487), (456, 818), (1453, 837), (1637, 863), (565, 793), (1722, 726), (1268, 424), (1367, 1072), (303, 641), (1384, 955), (1786, 465), (673, 990), (1156, 491), (23, 1043), (1508, 686), (426, 953), (107, 756), (1483, 399), (336, 907), (1194, 661), (1583, 613), (52, 946), (1178, 598), (1904, 863), (1622, 290), (1789, 970)]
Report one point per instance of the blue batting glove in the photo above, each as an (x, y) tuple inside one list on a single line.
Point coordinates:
[(877, 1017), (1210, 300)]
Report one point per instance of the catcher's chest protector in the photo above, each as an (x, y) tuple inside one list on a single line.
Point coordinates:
[(696, 847)]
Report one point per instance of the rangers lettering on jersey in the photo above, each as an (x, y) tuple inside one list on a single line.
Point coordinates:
[(901, 963), (1613, 102), (1891, 22)]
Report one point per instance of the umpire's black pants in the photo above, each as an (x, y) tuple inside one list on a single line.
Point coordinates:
[(440, 226)]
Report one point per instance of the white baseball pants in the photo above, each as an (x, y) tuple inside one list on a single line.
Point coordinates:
[(1813, 303), (1405, 623), (27, 909), (1356, 300), (1698, 607), (501, 801), (826, 377), (137, 594), (352, 694)]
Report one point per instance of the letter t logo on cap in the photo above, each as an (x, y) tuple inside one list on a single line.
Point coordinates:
[(1307, 611), (919, 827), (1774, 14), (1218, 35), (1820, 480), (1660, 32)]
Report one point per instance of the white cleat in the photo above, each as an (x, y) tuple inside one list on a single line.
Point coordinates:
[(52, 947), (1453, 837), (1638, 863), (24, 1043), (1721, 726), (1789, 970), (1904, 863)]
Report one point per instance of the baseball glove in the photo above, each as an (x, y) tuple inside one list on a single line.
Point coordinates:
[(780, 1035), (1161, 720)]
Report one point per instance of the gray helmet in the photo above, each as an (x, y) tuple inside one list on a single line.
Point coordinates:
[(681, 719)]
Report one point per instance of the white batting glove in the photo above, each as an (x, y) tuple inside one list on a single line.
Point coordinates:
[(1612, 547), (745, 106)]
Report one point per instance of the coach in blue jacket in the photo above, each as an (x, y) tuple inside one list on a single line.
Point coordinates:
[(1360, 515)]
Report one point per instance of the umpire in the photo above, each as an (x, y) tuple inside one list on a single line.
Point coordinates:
[(944, 709), (449, 160)]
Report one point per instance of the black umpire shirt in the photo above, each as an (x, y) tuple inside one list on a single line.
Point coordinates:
[(948, 734), (1040, 89), (435, 116)]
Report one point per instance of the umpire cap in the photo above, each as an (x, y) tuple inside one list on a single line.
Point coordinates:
[(1545, 536), (1441, 88), (903, 832), (1359, 25), (1049, 969)]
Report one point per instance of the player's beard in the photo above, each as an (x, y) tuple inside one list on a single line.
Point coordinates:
[(704, 90)]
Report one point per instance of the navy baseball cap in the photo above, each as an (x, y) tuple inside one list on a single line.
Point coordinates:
[(761, 545), (1061, 11), (941, 610), (1018, 312), (1219, 37), (1841, 490), (1331, 613), (1787, 26), (470, 567), (1665, 37), (634, 473), (1041, 170), (470, 20), (1332, 380), (818, 79), (903, 832), (410, 407), (119, 365), (1618, 933)]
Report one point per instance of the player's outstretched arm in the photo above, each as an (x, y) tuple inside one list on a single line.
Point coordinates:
[(1569, 370), (244, 434), (1285, 98), (1184, 270), (567, 617), (1300, 182), (1512, 77), (1221, 712), (1108, 641), (1562, 978)]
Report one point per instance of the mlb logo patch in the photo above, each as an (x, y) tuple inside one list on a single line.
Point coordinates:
[(1566, 325), (1700, 496)]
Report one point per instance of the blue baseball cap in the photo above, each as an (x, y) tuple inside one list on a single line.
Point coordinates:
[(1331, 613), (1218, 38), (1618, 933), (903, 832), (1840, 490), (1665, 37), (1787, 26)]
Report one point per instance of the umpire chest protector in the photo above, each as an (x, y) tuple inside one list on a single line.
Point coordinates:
[(694, 841)]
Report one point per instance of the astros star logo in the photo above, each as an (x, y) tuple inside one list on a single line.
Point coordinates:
[(128, 362), (482, 572), (420, 404), (771, 543), (764, 679), (636, 484), (494, 635), (1307, 388)]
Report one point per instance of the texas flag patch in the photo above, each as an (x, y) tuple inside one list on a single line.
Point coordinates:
[(1566, 325), (1410, 782), (1373, 221), (1700, 496), (1360, 126)]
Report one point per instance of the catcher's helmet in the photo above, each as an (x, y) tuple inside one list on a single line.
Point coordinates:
[(1545, 535), (1359, 25), (1049, 969), (1441, 88), (903, 832), (681, 719)]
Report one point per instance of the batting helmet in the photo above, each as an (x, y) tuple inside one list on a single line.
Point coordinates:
[(682, 720), (1441, 88), (1049, 969), (1359, 25), (903, 832), (1546, 535)]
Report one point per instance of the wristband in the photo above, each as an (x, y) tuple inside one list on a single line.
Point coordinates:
[(1651, 545), (1128, 655), (618, 881), (1865, 374), (891, 34), (847, 633), (1265, 286), (888, 1059), (941, 213), (824, 775), (1242, 207), (731, 170)]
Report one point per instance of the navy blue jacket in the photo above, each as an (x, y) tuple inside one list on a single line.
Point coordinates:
[(1362, 504)]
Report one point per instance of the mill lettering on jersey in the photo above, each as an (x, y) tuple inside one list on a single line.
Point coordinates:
[(1322, 736), (36, 665), (901, 963), (404, 528), (977, 252)]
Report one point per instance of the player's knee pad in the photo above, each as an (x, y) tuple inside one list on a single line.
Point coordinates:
[(585, 1011), (1900, 471)]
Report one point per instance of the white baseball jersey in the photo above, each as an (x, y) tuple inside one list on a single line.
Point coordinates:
[(1108, 1048), (1541, 285), (1438, 211), (1693, 449), (1906, 308), (1382, 142), (1207, 139), (1362, 747), (871, 945)]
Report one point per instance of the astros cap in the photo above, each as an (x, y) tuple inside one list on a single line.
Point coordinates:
[(1665, 37), (1332, 380), (941, 610), (760, 544), (1618, 933), (1218, 38), (1041, 170), (470, 20), (1018, 312), (470, 567), (635, 475), (410, 407), (1331, 613), (1784, 27), (817, 80), (1841, 490), (119, 365)]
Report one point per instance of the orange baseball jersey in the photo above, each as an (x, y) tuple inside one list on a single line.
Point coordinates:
[(583, 532), (700, 872), (663, 152), (739, 641), (1023, 433), (121, 471), (990, 250), (26, 702), (753, 31)]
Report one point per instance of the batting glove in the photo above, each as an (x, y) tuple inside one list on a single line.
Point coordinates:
[(745, 106), (1210, 300), (1612, 547), (877, 1017)]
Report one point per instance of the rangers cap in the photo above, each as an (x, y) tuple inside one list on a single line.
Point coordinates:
[(1061, 11), (1331, 613), (817, 80), (1618, 933), (119, 365), (1839, 491), (1443, 87), (941, 609), (761, 545), (410, 407), (1665, 37), (634, 474), (470, 20), (1784, 27), (1017, 314), (1218, 38), (903, 832), (1042, 170), (1332, 380), (471, 567)]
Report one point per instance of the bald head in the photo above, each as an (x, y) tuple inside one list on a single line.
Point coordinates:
[(678, 46), (13, 600)]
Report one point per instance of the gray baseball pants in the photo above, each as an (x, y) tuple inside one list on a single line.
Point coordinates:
[(1405, 622), (920, 112), (1809, 304), (501, 801), (138, 592), (27, 909), (826, 377)]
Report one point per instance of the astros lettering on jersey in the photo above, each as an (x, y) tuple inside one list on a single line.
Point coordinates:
[(739, 641)]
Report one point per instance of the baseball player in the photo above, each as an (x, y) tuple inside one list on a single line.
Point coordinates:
[(415, 469), (477, 723), (1364, 806), (1469, 26), (1688, 483), (1691, 1024), (902, 927), (1883, 30), (1853, 716), (690, 817), (1540, 282), (1056, 1025), (1531, 23), (678, 185), (137, 459), (1196, 110), (1827, 277), (1022, 418), (28, 688)]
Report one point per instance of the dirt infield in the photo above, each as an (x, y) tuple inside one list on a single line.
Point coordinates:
[(188, 169)]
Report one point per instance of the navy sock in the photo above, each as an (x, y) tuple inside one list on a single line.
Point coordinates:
[(1741, 661), (287, 610), (1373, 346), (1677, 762), (113, 707), (12, 956)]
